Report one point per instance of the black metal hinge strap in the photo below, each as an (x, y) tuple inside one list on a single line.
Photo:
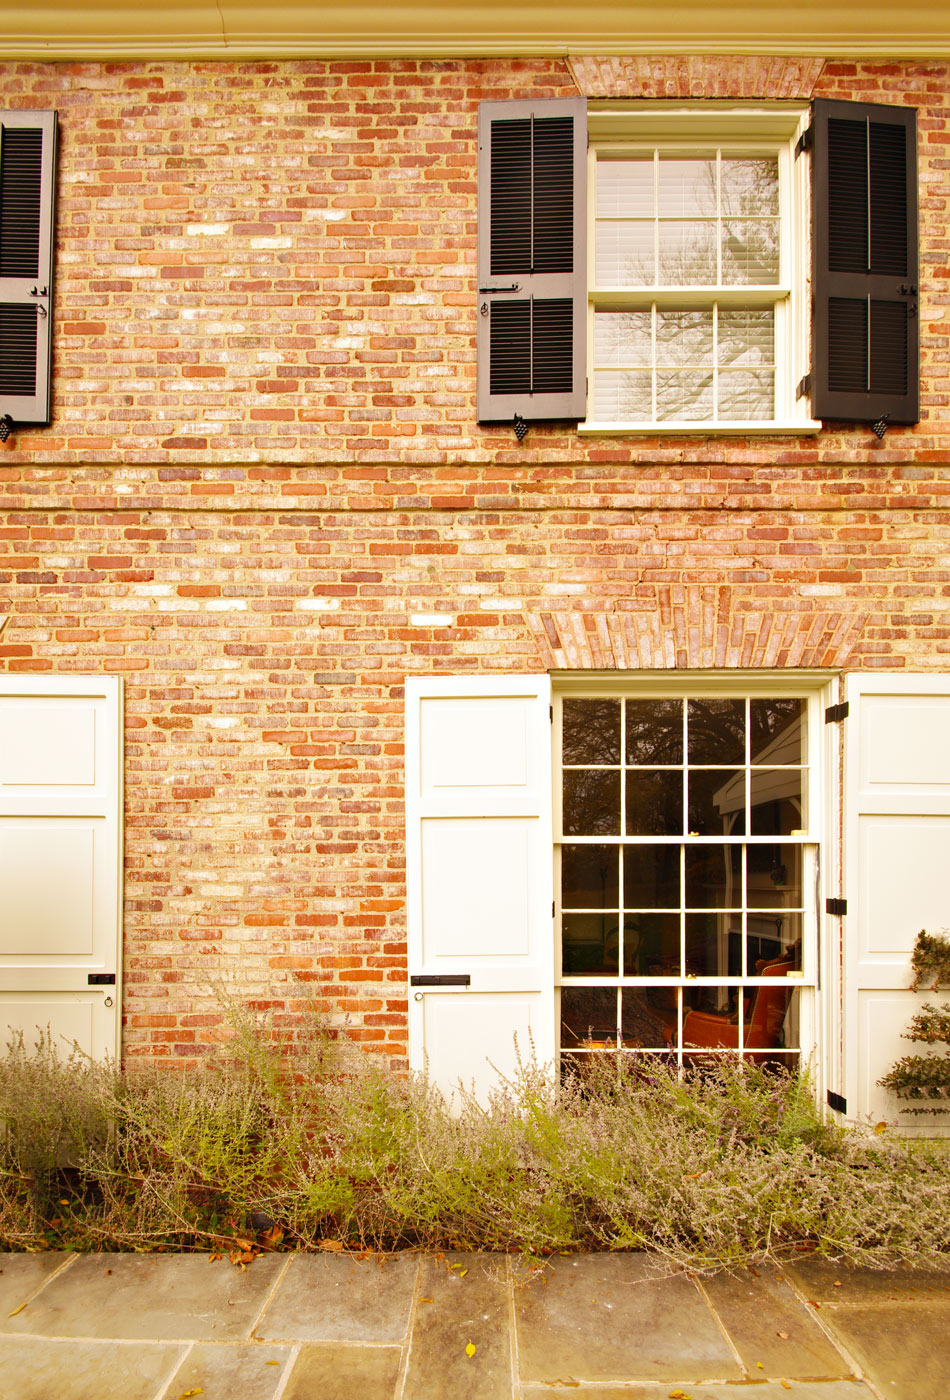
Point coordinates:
[(836, 713), (101, 979), (838, 907), (837, 1101)]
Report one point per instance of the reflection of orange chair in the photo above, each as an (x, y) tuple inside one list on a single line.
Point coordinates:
[(763, 1029)]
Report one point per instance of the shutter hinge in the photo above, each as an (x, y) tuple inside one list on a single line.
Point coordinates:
[(553, 910), (837, 1101), (551, 713), (838, 907), (100, 979), (836, 713), (804, 386), (805, 141)]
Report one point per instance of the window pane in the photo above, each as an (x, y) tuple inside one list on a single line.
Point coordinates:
[(625, 188), (623, 338), (745, 396), (624, 253), (716, 731), (685, 396), (589, 945), (709, 939), (591, 803), (749, 185), (750, 252), (716, 802), (773, 941), (687, 254), (711, 1018), (714, 877), (778, 725), (589, 877), (654, 803), (775, 876), (686, 187), (655, 949), (776, 801), (623, 396), (654, 731), (764, 1014), (746, 338), (644, 1025), (588, 1014), (651, 877), (684, 338), (591, 731)]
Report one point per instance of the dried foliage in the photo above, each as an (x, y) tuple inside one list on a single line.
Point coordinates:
[(312, 1144)]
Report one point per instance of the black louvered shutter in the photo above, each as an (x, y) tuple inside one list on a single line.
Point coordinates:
[(865, 243), (27, 165), (532, 296)]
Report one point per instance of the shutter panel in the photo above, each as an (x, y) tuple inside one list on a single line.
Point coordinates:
[(27, 165), (532, 233), (897, 839), (865, 338), (479, 877)]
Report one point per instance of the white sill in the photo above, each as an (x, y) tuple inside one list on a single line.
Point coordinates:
[(756, 428)]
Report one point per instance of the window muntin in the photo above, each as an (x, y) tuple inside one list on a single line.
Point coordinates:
[(696, 281), (685, 870)]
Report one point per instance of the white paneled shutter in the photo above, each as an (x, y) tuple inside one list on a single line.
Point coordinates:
[(27, 201), (479, 877), (897, 855), (532, 263), (61, 860)]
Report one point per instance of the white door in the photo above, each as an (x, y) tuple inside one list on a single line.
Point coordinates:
[(60, 859), (896, 866), (479, 877)]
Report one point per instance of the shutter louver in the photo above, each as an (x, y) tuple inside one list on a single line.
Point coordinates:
[(865, 339), (532, 260), (27, 165)]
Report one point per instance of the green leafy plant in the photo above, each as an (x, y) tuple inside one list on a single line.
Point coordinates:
[(923, 1081)]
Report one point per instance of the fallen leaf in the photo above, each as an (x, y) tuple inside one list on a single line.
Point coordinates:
[(837, 1283), (331, 1244), (678, 1395), (213, 1258), (274, 1236), (108, 1272), (760, 1366), (470, 1350), (783, 1335), (462, 1273), (271, 1363), (692, 1176), (244, 1244), (785, 1385), (64, 1203), (17, 1310), (197, 1390), (880, 1127), (426, 1300)]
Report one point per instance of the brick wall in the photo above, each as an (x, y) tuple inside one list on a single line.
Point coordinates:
[(264, 500)]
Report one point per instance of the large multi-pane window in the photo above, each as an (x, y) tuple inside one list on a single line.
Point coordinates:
[(686, 874)]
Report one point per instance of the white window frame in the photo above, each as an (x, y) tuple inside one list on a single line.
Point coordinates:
[(776, 128), (812, 687)]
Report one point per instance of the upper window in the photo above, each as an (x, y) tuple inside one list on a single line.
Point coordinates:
[(698, 267), (692, 285)]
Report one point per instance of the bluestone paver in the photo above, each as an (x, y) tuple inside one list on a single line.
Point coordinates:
[(22, 1274), (827, 1282), (34, 1368), (618, 1317), (231, 1371), (901, 1347), (336, 1371), (461, 1302), (164, 1297), (338, 1298), (773, 1332)]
